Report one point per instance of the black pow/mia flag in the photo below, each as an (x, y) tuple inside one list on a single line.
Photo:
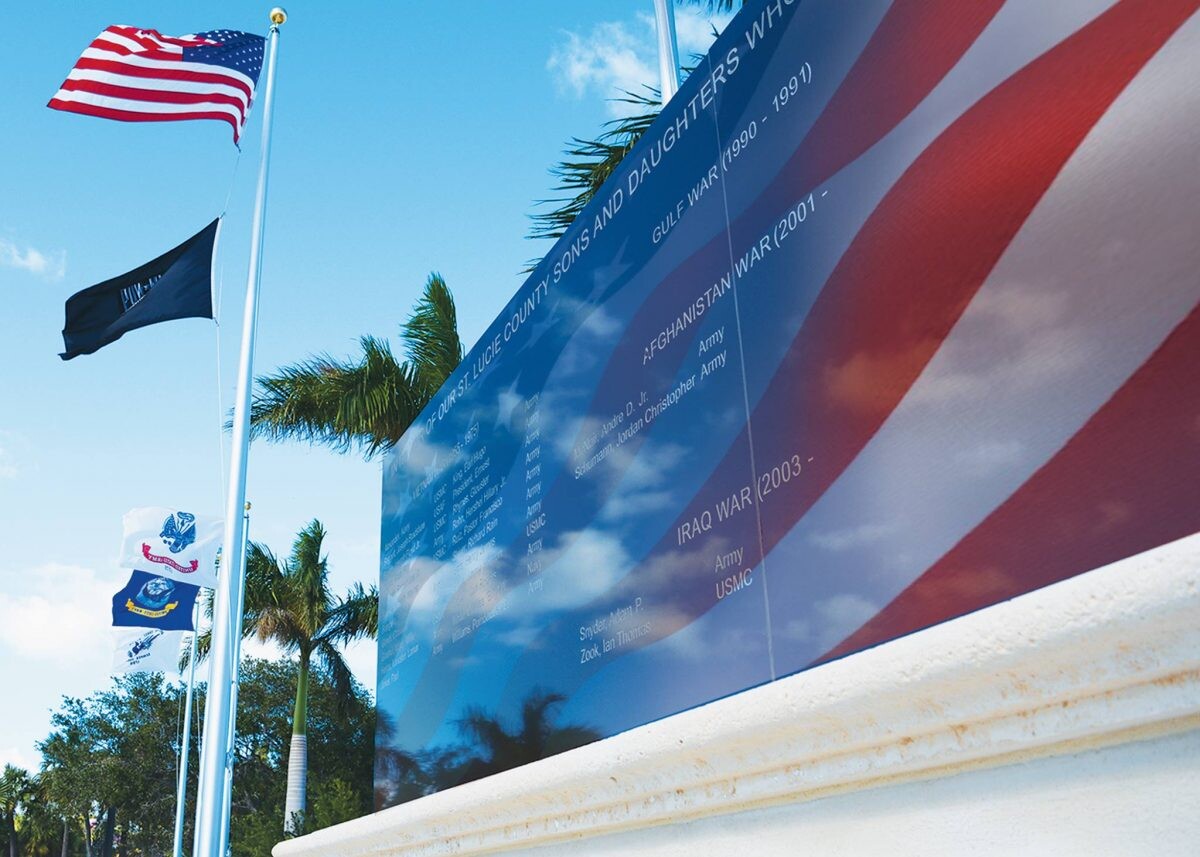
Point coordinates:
[(178, 284)]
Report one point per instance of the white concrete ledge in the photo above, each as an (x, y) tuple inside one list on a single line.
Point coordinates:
[(1106, 658)]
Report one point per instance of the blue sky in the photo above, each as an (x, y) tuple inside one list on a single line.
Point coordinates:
[(405, 142)]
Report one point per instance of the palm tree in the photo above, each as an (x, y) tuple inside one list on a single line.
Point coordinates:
[(497, 748), (288, 602), (365, 403), (589, 163), (15, 790), (44, 822)]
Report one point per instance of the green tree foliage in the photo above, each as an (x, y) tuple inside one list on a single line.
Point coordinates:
[(32, 824), (15, 790), (109, 766), (340, 753), (288, 602), (364, 403), (589, 163)]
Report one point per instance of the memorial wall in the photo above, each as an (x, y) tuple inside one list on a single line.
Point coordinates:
[(880, 323)]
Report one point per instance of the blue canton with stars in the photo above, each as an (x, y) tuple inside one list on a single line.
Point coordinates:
[(239, 51)]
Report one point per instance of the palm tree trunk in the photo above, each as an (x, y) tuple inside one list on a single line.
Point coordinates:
[(297, 774)]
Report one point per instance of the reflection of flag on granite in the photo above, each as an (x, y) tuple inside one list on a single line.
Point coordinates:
[(146, 650), (150, 601), (965, 374), (172, 543), (178, 284)]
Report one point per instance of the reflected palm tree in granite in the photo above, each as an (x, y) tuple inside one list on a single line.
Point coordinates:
[(489, 746), (495, 748), (399, 776)]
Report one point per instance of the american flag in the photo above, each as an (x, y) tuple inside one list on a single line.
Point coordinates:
[(985, 358), (137, 75)]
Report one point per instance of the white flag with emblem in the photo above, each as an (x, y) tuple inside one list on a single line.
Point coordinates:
[(172, 543), (147, 650)]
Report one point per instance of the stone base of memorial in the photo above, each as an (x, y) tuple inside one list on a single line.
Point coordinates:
[(1065, 722)]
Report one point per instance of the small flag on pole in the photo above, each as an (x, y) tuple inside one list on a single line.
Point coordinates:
[(149, 601), (172, 543), (137, 75), (146, 650), (178, 284)]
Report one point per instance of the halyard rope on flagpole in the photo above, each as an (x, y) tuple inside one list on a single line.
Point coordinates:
[(210, 804), (217, 298), (232, 180), (233, 690), (185, 744)]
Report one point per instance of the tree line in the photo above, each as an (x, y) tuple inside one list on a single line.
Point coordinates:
[(106, 787), (107, 784)]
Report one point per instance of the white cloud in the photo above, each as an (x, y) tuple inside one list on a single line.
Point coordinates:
[(470, 564), (841, 615), (1015, 338), (13, 448), (19, 757), (989, 457), (616, 57), (851, 537), (693, 31), (608, 61), (697, 642), (48, 266), (66, 622), (796, 630)]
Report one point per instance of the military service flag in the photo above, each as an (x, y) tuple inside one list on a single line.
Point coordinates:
[(178, 284), (174, 544), (149, 601), (146, 650)]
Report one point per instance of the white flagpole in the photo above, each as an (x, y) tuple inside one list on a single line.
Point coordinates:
[(233, 695), (214, 757), (185, 747), (668, 50)]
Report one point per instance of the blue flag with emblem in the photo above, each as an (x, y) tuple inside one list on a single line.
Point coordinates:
[(151, 601)]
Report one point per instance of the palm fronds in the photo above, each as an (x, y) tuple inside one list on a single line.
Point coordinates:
[(431, 336), (716, 5), (365, 403), (589, 163), (355, 616)]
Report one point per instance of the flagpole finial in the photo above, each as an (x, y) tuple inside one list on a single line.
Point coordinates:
[(278, 15)]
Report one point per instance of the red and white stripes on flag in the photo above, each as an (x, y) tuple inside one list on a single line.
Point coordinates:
[(139, 75)]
